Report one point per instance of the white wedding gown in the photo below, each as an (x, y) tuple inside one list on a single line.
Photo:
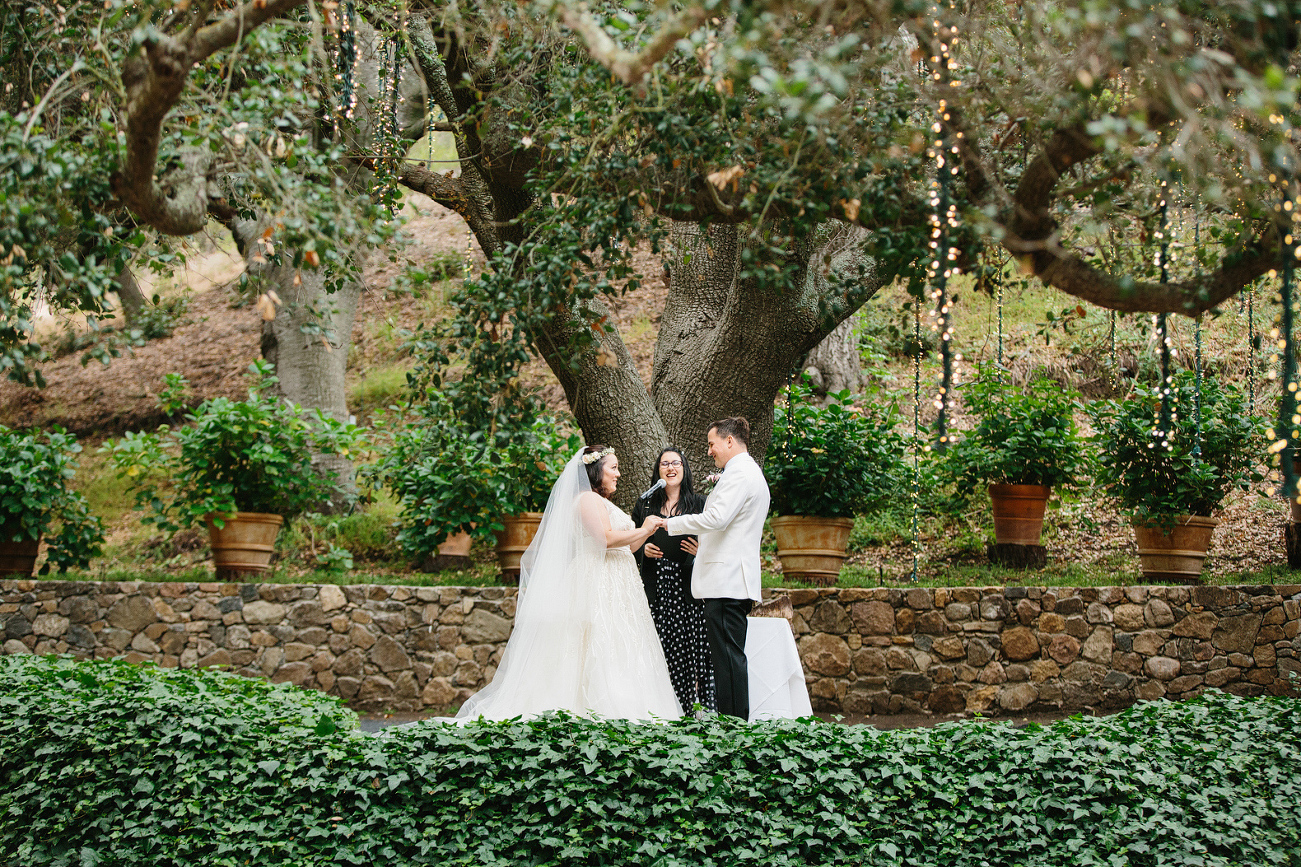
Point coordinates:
[(583, 639)]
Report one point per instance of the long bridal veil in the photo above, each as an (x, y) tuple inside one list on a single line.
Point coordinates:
[(543, 667)]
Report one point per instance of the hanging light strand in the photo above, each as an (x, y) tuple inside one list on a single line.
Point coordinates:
[(1197, 394), (917, 433), (1287, 434), (1251, 348), (1111, 341), (396, 93), (1165, 420), (944, 150), (1000, 323), (347, 60), (943, 265)]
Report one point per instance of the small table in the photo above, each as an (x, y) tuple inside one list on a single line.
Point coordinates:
[(777, 688)]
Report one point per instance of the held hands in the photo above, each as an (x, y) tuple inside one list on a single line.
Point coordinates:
[(652, 523)]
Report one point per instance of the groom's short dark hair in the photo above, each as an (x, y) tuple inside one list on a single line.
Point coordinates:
[(733, 427)]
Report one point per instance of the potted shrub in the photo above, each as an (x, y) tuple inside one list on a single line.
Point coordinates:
[(1024, 444), (1169, 491), (36, 503), (450, 478), (824, 466), (241, 467)]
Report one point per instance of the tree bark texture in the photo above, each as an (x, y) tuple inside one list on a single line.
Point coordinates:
[(834, 364), (726, 347), (129, 293)]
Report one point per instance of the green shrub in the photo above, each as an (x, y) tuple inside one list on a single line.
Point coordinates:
[(35, 499), (834, 461), (1155, 483), (103, 763), (253, 455), (450, 478), (1023, 435)]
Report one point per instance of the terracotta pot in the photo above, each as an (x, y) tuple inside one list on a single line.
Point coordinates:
[(244, 546), (1018, 513), (17, 558), (1177, 553), (812, 549), (513, 541), (455, 546)]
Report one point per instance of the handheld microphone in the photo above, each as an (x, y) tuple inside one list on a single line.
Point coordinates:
[(653, 488)]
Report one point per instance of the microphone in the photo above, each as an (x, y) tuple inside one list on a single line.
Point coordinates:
[(653, 488)]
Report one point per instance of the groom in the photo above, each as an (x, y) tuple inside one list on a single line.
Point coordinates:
[(726, 575)]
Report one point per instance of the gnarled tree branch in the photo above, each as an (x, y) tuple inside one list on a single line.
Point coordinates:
[(1032, 236), (628, 66), (154, 80)]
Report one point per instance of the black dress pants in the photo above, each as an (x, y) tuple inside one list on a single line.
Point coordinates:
[(725, 626)]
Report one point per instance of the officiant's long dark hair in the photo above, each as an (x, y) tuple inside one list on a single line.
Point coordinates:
[(689, 502)]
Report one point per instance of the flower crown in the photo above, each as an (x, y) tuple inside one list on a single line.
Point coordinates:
[(593, 457)]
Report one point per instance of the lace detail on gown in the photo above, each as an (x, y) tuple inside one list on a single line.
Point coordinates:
[(594, 651)]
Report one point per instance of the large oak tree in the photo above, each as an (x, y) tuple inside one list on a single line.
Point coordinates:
[(785, 158)]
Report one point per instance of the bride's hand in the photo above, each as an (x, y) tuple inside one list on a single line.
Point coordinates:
[(653, 523)]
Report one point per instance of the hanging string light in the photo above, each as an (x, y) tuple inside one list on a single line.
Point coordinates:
[(917, 434), (469, 250), (942, 267), (944, 221), (347, 62), (1111, 341), (1000, 320), (1165, 418), (1286, 433), (395, 93), (1251, 348), (1197, 392)]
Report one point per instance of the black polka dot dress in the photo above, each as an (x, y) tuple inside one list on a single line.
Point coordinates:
[(680, 621)]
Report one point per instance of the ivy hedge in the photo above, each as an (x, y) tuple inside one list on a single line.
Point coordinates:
[(109, 763)]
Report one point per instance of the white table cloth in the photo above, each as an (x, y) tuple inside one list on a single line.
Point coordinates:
[(777, 688)]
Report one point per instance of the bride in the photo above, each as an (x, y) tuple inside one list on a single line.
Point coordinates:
[(584, 640)]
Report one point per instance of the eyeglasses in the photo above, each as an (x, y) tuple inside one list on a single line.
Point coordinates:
[(668, 465)]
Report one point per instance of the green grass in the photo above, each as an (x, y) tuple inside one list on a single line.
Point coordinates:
[(97, 480), (378, 388)]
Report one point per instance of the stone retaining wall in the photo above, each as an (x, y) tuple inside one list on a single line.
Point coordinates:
[(1010, 649), (939, 650)]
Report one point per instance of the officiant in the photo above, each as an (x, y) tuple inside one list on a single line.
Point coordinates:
[(666, 564)]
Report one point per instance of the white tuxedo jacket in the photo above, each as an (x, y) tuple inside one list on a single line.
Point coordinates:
[(730, 529)]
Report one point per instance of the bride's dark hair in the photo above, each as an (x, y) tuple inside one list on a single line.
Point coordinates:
[(594, 468)]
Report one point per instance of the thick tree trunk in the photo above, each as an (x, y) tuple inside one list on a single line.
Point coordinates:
[(725, 348), (308, 344), (834, 364), (129, 293)]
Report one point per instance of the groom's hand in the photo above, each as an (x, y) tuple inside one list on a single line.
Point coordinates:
[(653, 522)]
